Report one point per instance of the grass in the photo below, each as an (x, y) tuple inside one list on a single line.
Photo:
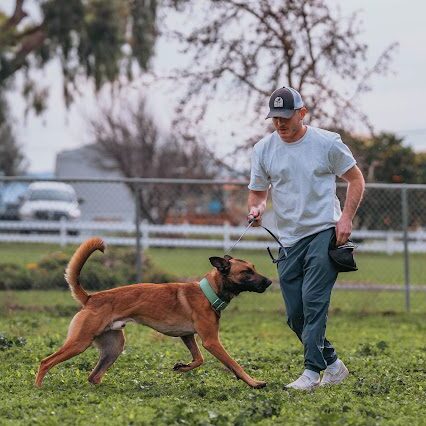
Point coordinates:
[(383, 347), (24, 253), (376, 268)]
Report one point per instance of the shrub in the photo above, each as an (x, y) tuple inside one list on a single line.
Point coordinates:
[(97, 277), (14, 277), (116, 267)]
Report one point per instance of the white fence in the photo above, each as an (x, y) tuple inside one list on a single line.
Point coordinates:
[(188, 236)]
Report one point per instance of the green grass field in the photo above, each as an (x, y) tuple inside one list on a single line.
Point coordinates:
[(374, 268), (384, 348)]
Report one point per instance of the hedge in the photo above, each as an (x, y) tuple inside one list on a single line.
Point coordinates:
[(112, 269)]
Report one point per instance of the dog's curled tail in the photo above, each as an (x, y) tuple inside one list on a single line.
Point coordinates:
[(72, 272)]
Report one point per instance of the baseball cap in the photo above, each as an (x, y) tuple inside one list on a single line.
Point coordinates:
[(283, 102)]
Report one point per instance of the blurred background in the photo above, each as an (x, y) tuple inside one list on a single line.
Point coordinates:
[(135, 119)]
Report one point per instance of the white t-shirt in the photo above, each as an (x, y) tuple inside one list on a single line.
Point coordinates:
[(302, 176)]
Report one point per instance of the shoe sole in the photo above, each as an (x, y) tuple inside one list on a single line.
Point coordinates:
[(311, 389), (346, 374)]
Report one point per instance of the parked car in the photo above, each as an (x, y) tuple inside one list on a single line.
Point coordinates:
[(11, 194), (49, 201)]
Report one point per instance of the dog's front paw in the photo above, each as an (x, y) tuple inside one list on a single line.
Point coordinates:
[(258, 384), (179, 366)]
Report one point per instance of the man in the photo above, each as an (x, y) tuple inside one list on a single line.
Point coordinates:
[(299, 163)]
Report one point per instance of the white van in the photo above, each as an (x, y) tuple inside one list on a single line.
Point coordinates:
[(49, 201)]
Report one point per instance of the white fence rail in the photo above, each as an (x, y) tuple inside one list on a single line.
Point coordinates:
[(189, 236)]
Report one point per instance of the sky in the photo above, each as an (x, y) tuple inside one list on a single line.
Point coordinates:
[(397, 102)]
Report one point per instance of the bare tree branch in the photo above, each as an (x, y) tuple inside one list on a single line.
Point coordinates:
[(131, 143), (31, 41), (18, 15), (253, 48)]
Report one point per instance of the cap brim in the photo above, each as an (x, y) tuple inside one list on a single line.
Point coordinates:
[(283, 113)]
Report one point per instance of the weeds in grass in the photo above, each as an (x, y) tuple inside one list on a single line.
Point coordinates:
[(385, 354)]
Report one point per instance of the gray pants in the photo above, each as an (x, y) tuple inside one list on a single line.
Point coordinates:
[(307, 276)]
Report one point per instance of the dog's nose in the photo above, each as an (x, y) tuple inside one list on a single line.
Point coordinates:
[(268, 282)]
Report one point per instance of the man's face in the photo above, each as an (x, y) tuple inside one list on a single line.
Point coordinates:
[(289, 129)]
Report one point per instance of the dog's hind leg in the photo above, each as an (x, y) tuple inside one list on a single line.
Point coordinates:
[(197, 357), (81, 333), (110, 345)]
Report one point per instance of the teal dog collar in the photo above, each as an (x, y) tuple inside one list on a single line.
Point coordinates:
[(217, 303)]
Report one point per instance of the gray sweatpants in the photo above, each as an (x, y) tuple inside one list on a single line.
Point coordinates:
[(307, 276)]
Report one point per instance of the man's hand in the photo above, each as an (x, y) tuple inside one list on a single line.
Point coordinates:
[(255, 215), (354, 194), (343, 230), (256, 206)]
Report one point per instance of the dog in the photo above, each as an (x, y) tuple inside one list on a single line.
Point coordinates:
[(174, 309)]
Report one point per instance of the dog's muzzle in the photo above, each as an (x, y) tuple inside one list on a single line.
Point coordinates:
[(264, 285)]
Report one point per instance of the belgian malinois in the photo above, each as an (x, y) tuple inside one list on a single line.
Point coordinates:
[(174, 309)]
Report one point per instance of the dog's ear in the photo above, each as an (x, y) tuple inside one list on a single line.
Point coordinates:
[(221, 264), (227, 257)]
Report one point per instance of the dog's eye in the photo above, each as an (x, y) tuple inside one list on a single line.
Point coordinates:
[(248, 272)]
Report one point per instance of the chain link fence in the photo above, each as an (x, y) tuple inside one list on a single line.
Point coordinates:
[(180, 223)]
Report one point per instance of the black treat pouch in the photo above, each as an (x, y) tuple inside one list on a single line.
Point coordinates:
[(343, 256)]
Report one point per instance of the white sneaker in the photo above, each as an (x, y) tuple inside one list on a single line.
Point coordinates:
[(335, 374), (304, 383)]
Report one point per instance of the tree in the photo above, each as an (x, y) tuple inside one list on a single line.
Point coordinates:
[(12, 160), (420, 166), (244, 50), (93, 39), (383, 158), (130, 141)]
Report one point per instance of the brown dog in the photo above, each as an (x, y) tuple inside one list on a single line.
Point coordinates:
[(175, 309)]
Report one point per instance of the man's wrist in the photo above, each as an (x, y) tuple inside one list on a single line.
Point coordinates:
[(347, 216)]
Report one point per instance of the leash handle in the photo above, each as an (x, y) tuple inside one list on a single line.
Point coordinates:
[(275, 238), (250, 223), (278, 241), (272, 235)]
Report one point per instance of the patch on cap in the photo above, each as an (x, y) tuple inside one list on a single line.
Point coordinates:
[(278, 102)]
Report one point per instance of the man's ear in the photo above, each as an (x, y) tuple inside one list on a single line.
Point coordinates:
[(303, 111), (221, 264)]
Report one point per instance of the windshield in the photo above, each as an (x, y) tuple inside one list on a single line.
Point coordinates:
[(51, 195)]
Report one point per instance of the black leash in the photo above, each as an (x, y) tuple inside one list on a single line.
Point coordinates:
[(267, 248), (279, 259)]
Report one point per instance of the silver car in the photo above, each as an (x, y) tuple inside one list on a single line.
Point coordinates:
[(49, 201)]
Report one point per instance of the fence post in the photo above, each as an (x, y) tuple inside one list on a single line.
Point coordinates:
[(405, 216), (226, 236), (139, 253), (63, 232), (145, 235), (390, 243)]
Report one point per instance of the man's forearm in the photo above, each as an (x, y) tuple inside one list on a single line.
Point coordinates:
[(257, 199), (354, 195)]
